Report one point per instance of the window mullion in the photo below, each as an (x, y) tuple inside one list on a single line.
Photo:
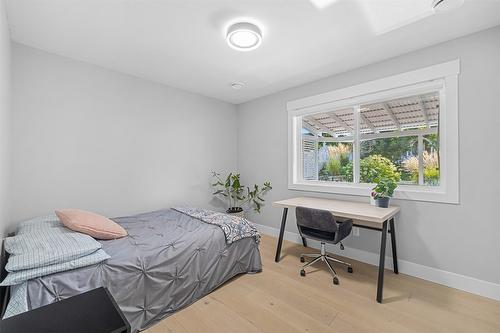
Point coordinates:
[(300, 150), (316, 159), (420, 159), (356, 145)]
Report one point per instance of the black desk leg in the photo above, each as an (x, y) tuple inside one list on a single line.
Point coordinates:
[(381, 265), (280, 238), (393, 242)]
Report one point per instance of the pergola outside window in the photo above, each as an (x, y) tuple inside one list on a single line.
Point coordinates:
[(397, 138)]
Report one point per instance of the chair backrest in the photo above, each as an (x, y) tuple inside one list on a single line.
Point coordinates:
[(320, 220)]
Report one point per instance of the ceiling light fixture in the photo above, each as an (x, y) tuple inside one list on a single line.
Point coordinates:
[(446, 5), (244, 36)]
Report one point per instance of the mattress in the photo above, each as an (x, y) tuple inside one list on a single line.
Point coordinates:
[(168, 261)]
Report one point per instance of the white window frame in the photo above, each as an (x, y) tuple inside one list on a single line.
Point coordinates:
[(442, 77)]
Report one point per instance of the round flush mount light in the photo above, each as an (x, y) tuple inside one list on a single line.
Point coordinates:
[(446, 5), (244, 36)]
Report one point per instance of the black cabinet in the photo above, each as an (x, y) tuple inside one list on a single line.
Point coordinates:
[(92, 312)]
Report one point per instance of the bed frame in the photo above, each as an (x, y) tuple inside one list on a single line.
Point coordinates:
[(4, 291)]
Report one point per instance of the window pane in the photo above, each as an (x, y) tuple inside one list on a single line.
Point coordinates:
[(310, 157), (327, 148), (431, 160), (383, 158), (396, 140), (335, 161)]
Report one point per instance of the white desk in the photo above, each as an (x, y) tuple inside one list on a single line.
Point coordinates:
[(363, 215)]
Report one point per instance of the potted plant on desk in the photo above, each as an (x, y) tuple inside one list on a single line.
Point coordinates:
[(234, 192), (383, 191)]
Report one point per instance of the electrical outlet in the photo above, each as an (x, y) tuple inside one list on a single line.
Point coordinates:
[(355, 231)]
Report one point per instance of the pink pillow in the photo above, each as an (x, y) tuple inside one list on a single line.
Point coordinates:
[(92, 224)]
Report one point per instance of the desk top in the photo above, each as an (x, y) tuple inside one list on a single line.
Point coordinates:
[(347, 209)]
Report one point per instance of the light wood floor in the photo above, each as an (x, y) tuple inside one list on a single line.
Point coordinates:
[(279, 300)]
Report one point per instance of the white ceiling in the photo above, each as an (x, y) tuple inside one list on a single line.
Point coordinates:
[(181, 42)]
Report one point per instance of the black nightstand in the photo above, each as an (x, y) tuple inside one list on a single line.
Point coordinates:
[(92, 312)]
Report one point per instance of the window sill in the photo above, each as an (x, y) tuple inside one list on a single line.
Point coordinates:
[(403, 192)]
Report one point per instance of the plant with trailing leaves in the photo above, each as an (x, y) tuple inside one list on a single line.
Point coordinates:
[(384, 189), (238, 194)]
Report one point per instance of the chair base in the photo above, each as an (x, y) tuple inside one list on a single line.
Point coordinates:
[(326, 259)]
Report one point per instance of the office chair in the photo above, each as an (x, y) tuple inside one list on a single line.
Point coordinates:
[(321, 225)]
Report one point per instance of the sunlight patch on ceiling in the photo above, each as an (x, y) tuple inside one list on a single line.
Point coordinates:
[(322, 4), (388, 15)]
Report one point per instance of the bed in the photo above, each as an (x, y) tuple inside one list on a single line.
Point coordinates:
[(168, 261)]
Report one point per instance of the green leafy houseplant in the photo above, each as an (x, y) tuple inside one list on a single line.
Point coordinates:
[(234, 192), (384, 189)]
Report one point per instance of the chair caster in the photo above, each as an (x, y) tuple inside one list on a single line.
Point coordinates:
[(335, 280), (302, 272), (302, 259), (350, 270)]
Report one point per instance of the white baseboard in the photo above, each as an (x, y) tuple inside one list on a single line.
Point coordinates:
[(449, 279)]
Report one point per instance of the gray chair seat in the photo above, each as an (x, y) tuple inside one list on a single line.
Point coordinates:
[(321, 225)]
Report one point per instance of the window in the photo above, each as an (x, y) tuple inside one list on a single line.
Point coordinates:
[(331, 134), (343, 141)]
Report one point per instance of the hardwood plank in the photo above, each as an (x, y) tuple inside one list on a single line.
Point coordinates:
[(206, 315), (173, 325), (296, 296)]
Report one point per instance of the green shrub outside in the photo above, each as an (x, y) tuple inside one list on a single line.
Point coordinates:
[(372, 169), (431, 175)]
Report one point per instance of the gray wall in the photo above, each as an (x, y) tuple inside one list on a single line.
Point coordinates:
[(90, 138), (4, 117), (458, 238)]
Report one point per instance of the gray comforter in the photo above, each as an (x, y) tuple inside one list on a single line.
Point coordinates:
[(168, 261)]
